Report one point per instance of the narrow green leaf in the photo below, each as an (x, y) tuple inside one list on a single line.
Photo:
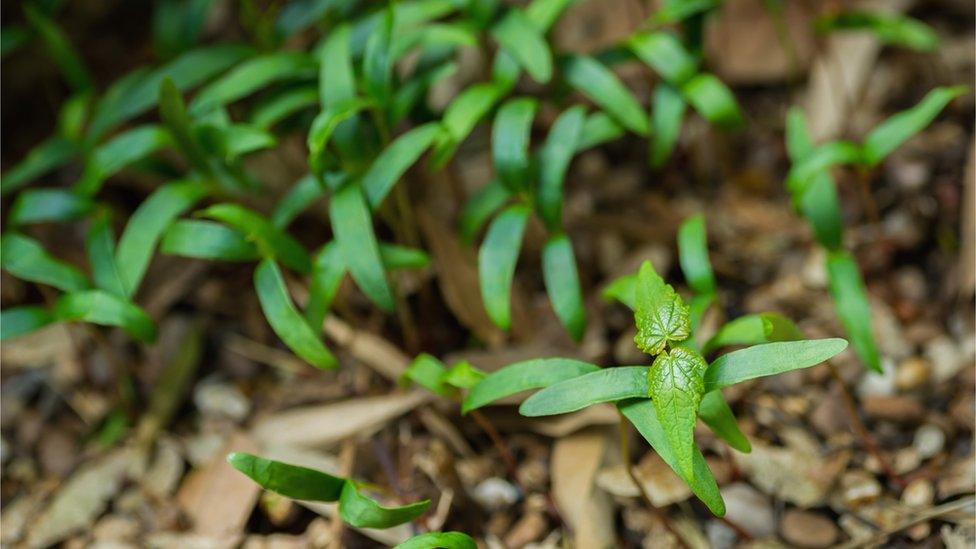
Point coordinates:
[(299, 197), (12, 37), (661, 315), (231, 141), (363, 512), (642, 413), (496, 262), (894, 131), (283, 104), (480, 207), (624, 290), (818, 203), (667, 113), (118, 152), (753, 329), (442, 540), (523, 40), (45, 205), (378, 59), (693, 255), (676, 381), (543, 13), (523, 376), (206, 240), (18, 321), (394, 161), (697, 307), (599, 128), (58, 47), (820, 160), (554, 159), (291, 481), (401, 257), (510, 136), (325, 125), (715, 412), (285, 319), (412, 91), (353, 229), (337, 83), (853, 308), (676, 12), (601, 86), (894, 29), (463, 375), (328, 270), (713, 100), (172, 110), (270, 241), (251, 76), (100, 245), (562, 284), (428, 372), (146, 226), (99, 307), (769, 359), (26, 259), (664, 53), (50, 154), (570, 395), (461, 116)]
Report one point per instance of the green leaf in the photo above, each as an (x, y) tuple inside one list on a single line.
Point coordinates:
[(820, 160), (18, 321), (100, 307), (44, 205), (461, 116), (696, 309), (353, 229), (50, 154), (463, 375), (60, 50), (853, 308), (543, 13), (769, 359), (12, 37), (328, 270), (270, 241), (146, 226), (325, 124), (894, 29), (394, 161), (818, 202), (411, 92), (283, 104), (428, 372), (510, 136), (117, 153), (554, 159), (285, 319), (624, 290), (442, 540), (172, 110), (291, 481), (299, 197), (887, 136), (100, 245), (693, 255), (661, 315), (231, 141), (713, 100), (363, 512), (524, 41), (562, 284), (664, 53), (753, 329), (599, 128), (378, 58), (496, 262), (400, 257), (570, 395), (642, 413), (26, 259), (676, 12), (522, 376), (667, 113), (337, 83), (480, 207), (715, 412), (251, 76), (601, 86), (206, 240), (676, 381)]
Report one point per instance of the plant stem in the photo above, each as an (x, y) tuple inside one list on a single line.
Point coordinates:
[(861, 430), (498, 441), (864, 184)]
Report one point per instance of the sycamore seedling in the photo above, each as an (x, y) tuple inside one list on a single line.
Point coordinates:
[(664, 399)]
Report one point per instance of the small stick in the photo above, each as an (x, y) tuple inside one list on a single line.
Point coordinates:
[(931, 513)]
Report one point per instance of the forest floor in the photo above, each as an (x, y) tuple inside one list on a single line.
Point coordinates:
[(75, 473)]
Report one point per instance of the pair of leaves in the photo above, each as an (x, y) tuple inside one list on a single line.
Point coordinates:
[(893, 29), (433, 375), (92, 306), (306, 484)]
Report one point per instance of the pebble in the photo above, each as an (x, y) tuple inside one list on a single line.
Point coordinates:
[(906, 460), (495, 494), (719, 535), (872, 384), (749, 508), (945, 358), (115, 528), (902, 409), (912, 373), (929, 441), (918, 493), (806, 529), (216, 398), (859, 488)]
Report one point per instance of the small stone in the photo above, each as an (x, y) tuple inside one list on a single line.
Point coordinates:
[(115, 528), (929, 441), (528, 529), (830, 416), (912, 373), (749, 508), (901, 409), (495, 494), (859, 488), (807, 529), (872, 384), (963, 411), (945, 358), (918, 493), (906, 460), (221, 399), (719, 535)]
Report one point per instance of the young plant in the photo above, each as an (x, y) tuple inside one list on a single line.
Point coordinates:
[(814, 195), (891, 29), (355, 507), (665, 399)]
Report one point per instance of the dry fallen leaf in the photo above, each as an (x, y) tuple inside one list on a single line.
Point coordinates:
[(586, 508)]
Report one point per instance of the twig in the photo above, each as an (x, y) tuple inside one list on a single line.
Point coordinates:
[(498, 441), (929, 514)]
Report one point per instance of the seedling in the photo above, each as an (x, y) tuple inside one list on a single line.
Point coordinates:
[(891, 29), (664, 400), (355, 507)]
